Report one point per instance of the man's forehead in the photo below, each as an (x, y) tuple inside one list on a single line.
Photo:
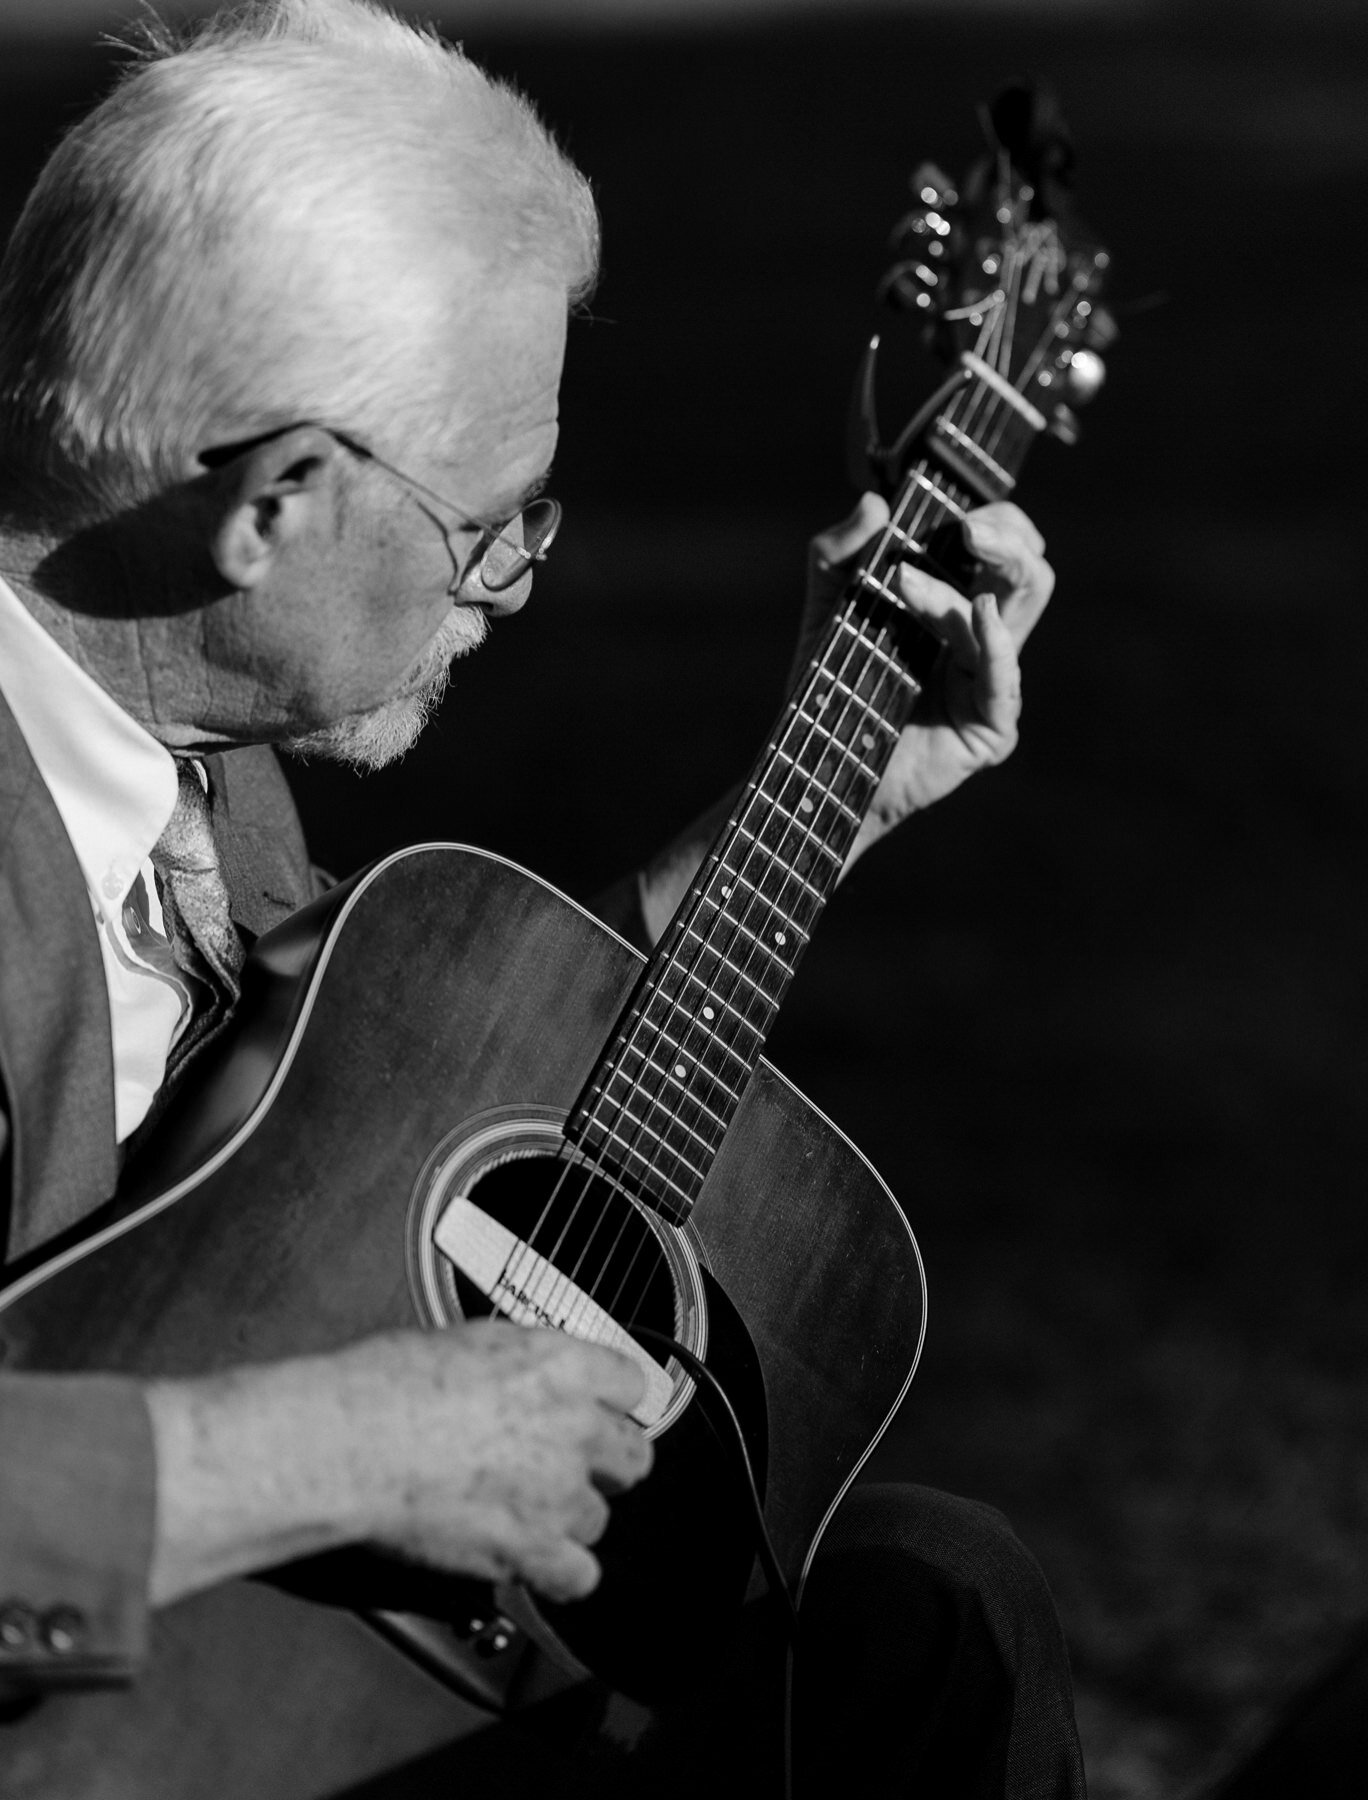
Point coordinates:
[(501, 393)]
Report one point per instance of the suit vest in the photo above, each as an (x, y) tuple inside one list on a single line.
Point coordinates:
[(58, 1159)]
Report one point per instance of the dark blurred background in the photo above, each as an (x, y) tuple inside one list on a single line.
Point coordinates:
[(1101, 1021)]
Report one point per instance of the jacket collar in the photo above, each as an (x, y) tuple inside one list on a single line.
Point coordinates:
[(55, 1058)]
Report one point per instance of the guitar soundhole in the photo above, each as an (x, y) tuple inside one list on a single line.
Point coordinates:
[(508, 1221), (597, 1240)]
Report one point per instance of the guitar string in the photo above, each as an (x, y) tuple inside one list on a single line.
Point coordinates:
[(645, 1029), (654, 1103), (644, 1025), (972, 405), (765, 903), (597, 1163), (773, 905), (653, 1099), (839, 789)]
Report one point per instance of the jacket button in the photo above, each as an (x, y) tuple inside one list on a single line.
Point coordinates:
[(18, 1627), (63, 1629)]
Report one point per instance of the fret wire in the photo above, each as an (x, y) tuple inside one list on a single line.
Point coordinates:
[(846, 756), (827, 797), (645, 1027), (787, 875), (842, 750), (758, 938), (732, 1095), (772, 854), (759, 941), (608, 1106), (822, 849), (760, 909), (630, 1149), (883, 656), (740, 973), (681, 1047), (718, 1114), (792, 825), (669, 1002), (673, 1121), (933, 489), (875, 656)]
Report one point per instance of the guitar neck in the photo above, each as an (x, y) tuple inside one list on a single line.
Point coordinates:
[(658, 1105)]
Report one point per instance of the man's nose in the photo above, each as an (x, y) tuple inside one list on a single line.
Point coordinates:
[(499, 603)]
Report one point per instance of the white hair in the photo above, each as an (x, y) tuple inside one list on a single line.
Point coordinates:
[(276, 218)]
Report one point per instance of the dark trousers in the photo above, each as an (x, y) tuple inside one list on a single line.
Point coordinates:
[(930, 1664), (931, 1660)]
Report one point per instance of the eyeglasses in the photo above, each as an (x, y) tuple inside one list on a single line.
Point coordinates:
[(500, 560)]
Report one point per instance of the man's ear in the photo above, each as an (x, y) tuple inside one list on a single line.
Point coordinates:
[(268, 495)]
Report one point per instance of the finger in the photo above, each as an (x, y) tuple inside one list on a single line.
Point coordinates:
[(591, 1519), (1006, 521), (1025, 581), (945, 613), (593, 1369), (837, 545), (564, 1571), (997, 679), (620, 1454)]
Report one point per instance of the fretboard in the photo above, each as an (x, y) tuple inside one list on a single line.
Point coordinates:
[(658, 1104)]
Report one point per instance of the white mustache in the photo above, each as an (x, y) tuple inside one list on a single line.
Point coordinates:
[(463, 629)]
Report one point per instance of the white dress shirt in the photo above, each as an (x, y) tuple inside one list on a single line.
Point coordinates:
[(115, 787)]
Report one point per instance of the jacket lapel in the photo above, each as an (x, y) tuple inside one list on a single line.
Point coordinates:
[(55, 1058)]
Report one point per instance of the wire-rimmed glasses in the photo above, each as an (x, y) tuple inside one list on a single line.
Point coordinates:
[(500, 560)]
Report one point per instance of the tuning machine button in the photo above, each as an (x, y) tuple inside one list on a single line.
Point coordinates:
[(932, 186), (909, 286)]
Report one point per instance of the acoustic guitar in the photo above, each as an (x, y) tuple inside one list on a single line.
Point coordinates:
[(451, 1092)]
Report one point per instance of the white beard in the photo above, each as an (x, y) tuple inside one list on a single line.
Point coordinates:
[(383, 733)]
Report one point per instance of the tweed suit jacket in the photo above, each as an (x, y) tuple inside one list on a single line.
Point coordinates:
[(76, 1472)]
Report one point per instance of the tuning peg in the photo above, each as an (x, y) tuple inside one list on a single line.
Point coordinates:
[(921, 233), (932, 186), (1081, 373), (1064, 425), (909, 286)]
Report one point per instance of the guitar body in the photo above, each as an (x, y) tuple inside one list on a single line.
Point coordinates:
[(413, 1035)]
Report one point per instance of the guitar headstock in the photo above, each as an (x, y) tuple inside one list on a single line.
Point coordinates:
[(1005, 279)]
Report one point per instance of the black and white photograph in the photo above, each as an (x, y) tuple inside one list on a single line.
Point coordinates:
[(683, 886)]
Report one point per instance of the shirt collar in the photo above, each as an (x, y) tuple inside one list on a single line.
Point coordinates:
[(112, 782)]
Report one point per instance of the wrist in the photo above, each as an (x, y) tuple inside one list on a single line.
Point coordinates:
[(252, 1471)]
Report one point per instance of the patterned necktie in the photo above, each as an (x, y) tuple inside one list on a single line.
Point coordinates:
[(194, 894)]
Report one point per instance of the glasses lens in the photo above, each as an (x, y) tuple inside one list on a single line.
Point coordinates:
[(523, 541)]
